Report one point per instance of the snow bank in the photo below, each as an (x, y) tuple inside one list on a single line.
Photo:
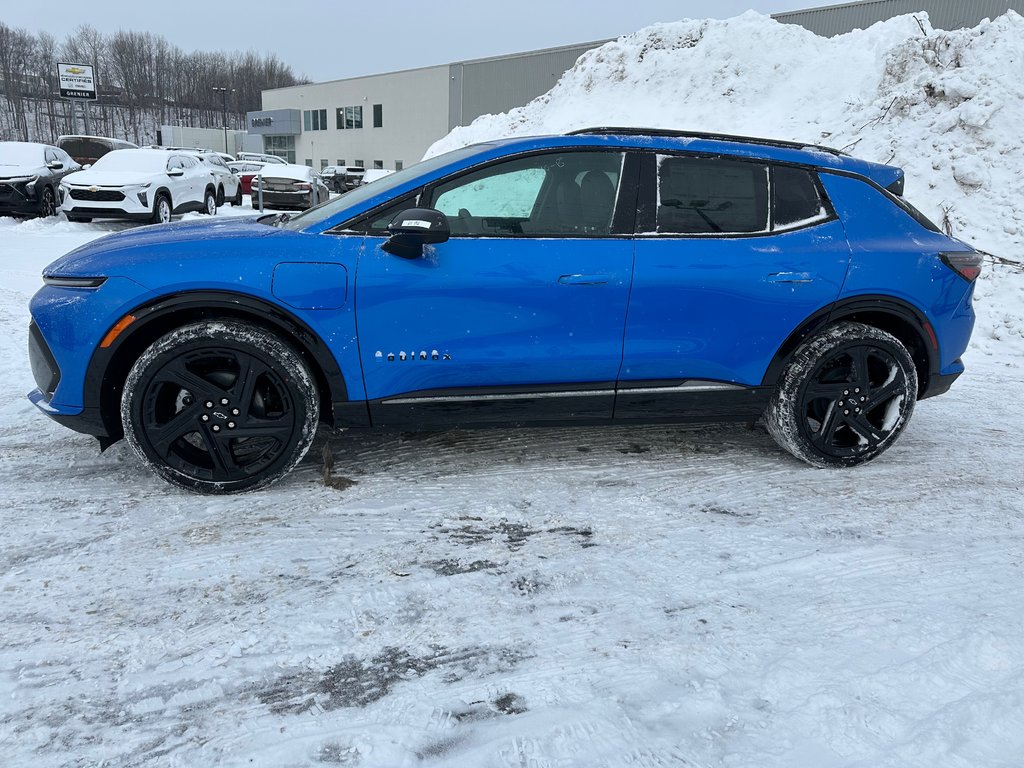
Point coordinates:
[(946, 106)]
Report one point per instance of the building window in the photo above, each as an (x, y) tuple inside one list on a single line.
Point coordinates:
[(341, 162), (378, 115), (314, 120), (398, 165), (281, 146), (378, 164), (323, 164), (309, 162), (349, 117), (358, 163)]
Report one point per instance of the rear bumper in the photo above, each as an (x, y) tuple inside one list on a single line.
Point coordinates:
[(285, 199), (940, 383)]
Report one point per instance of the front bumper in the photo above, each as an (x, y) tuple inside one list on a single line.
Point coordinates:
[(67, 327), (14, 199), (108, 203)]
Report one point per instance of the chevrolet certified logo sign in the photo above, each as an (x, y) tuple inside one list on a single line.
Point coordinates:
[(75, 71)]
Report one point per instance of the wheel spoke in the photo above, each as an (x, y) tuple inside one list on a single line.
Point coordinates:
[(279, 429), (817, 390), (163, 436), (861, 377), (250, 369), (219, 449), (863, 427), (884, 394), (178, 374), (825, 436)]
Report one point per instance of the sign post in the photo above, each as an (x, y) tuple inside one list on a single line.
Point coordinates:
[(77, 82)]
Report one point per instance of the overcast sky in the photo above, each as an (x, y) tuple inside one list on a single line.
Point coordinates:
[(332, 39)]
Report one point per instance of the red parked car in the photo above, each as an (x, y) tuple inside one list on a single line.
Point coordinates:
[(246, 170)]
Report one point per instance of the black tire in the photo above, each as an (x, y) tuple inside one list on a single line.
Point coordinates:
[(238, 196), (162, 209), (845, 396), (220, 196), (209, 203), (176, 420), (47, 203)]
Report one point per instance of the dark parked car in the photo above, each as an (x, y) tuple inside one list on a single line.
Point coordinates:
[(608, 276), (86, 150), (296, 187), (30, 177)]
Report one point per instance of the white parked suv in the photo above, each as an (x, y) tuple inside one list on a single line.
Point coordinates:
[(140, 185), (229, 186)]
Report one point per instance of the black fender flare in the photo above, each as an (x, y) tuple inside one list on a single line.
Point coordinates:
[(901, 318), (108, 367)]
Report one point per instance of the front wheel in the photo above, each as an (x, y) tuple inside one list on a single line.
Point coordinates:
[(161, 209), (220, 407), (845, 396), (47, 203)]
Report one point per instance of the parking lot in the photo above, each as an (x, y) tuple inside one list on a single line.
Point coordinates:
[(600, 596)]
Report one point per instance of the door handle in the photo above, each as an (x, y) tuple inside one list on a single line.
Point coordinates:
[(583, 279), (790, 277)]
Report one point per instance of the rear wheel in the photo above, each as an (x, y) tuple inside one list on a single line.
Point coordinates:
[(209, 203), (220, 407), (238, 196), (845, 396)]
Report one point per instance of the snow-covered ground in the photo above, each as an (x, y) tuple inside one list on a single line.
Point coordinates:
[(629, 596)]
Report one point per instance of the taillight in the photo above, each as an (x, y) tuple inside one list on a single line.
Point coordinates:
[(967, 264), (301, 185)]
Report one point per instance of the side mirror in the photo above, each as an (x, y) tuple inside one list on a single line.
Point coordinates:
[(175, 172), (55, 165), (412, 229)]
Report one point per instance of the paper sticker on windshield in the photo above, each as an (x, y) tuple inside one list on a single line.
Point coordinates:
[(416, 223)]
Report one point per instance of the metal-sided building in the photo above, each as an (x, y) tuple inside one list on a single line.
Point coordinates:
[(831, 20), (389, 120)]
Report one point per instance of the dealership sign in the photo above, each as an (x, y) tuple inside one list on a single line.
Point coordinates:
[(76, 81)]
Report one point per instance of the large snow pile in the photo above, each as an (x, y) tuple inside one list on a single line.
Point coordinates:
[(946, 106)]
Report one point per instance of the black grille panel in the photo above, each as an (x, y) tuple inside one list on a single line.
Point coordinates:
[(100, 195)]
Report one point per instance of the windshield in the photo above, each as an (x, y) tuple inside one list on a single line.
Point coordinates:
[(23, 155), (132, 160), (381, 186)]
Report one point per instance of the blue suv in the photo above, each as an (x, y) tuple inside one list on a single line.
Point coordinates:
[(607, 276)]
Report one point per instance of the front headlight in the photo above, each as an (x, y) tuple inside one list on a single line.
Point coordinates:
[(31, 186), (74, 282)]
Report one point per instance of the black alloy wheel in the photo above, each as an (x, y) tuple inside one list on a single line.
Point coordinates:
[(47, 203), (220, 407), (845, 397)]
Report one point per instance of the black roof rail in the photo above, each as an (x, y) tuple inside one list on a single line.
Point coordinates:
[(611, 131)]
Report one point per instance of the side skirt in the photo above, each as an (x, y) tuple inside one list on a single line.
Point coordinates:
[(688, 402)]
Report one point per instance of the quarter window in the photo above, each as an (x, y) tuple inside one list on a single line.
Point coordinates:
[(710, 196), (549, 195), (796, 200)]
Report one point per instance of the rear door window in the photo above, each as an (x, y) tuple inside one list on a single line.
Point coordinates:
[(711, 196)]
